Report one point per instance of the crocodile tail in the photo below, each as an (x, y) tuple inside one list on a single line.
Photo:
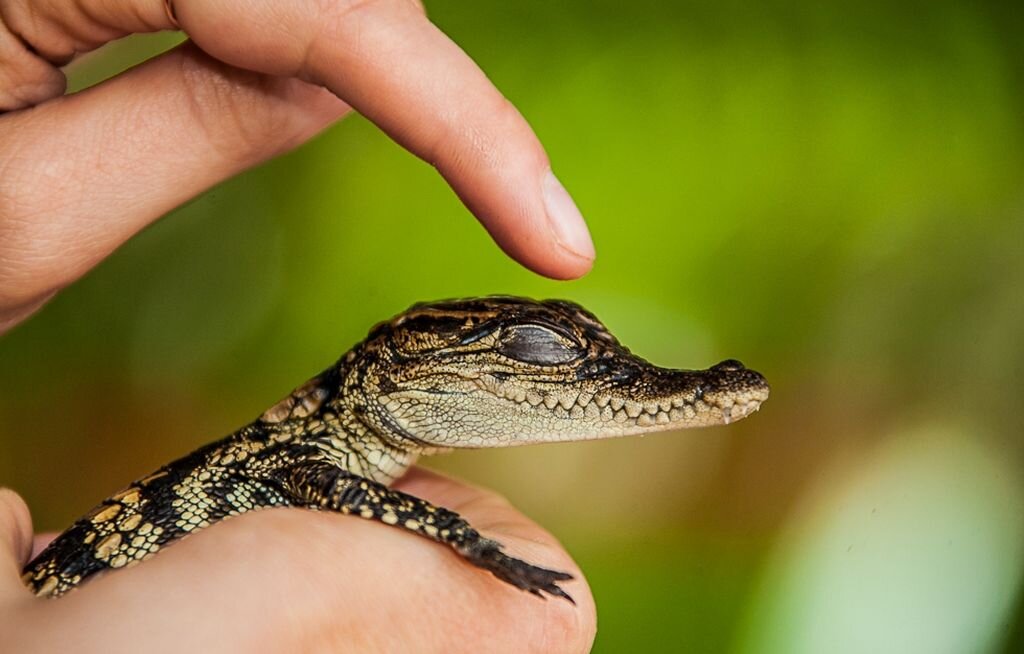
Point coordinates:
[(115, 534)]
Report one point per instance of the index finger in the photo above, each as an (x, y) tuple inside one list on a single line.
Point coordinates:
[(390, 63)]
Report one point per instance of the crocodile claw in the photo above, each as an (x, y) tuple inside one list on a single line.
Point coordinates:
[(535, 580)]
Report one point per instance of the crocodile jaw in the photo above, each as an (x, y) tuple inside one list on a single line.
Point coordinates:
[(486, 411)]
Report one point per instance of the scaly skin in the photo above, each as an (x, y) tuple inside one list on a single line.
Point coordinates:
[(489, 372)]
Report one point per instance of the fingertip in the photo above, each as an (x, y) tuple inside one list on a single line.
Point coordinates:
[(547, 245), (15, 526), (540, 251), (551, 238), (405, 75), (569, 266), (566, 221)]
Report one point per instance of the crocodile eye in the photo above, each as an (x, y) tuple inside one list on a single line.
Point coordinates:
[(537, 345)]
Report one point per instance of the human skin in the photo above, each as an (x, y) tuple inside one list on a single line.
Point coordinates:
[(81, 174), (291, 580)]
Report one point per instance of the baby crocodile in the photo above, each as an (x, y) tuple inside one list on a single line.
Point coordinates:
[(488, 372)]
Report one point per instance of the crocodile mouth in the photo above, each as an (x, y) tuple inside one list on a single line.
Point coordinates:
[(654, 399), (493, 410)]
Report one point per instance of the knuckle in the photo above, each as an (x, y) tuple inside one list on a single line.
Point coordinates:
[(245, 117), (346, 21), (31, 22), (491, 138), (228, 107), (506, 123), (343, 19), (25, 78)]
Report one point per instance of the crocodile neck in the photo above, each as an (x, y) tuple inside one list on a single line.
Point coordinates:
[(330, 412)]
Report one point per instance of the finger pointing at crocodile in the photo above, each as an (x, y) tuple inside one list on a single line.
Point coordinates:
[(254, 87), (386, 60)]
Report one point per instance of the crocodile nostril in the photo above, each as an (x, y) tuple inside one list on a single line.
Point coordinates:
[(729, 365)]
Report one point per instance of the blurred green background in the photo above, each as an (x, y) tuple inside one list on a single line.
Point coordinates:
[(831, 193)]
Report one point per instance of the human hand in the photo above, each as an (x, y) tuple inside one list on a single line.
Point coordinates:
[(81, 174), (291, 580)]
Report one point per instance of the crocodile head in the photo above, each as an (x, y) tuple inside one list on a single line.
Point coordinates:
[(505, 371)]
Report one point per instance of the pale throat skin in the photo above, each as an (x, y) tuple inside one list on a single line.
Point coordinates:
[(474, 373)]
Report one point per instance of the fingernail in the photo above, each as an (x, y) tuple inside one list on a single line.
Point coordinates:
[(566, 221)]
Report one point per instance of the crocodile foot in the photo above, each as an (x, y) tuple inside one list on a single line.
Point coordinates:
[(487, 554)]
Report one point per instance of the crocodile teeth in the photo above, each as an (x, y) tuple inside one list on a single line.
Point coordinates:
[(743, 410), (727, 414)]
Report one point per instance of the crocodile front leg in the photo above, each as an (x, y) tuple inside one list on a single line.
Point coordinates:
[(319, 484)]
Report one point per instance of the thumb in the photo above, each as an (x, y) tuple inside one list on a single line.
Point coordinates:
[(15, 543)]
